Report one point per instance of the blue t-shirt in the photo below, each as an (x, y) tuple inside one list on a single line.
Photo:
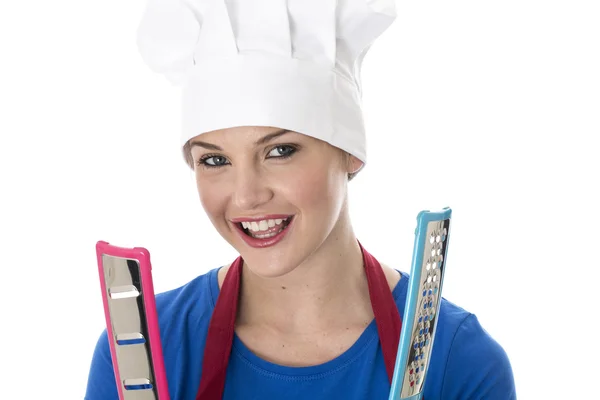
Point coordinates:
[(466, 362)]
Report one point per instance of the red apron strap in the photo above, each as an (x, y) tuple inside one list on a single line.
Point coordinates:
[(222, 325), (386, 313), (220, 336)]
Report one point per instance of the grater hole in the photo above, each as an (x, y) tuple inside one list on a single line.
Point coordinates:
[(125, 339), (123, 292), (137, 384)]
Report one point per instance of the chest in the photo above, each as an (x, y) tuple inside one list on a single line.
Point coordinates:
[(300, 350), (358, 374)]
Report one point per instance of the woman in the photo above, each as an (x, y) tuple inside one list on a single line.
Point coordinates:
[(272, 128)]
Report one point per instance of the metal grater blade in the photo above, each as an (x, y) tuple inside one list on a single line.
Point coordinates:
[(430, 275), (127, 313)]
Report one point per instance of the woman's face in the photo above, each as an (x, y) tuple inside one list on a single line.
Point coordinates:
[(268, 173)]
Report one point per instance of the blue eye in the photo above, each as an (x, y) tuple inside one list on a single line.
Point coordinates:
[(213, 164), (287, 151), (281, 151)]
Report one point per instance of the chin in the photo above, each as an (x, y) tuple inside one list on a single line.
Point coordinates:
[(282, 258), (273, 266)]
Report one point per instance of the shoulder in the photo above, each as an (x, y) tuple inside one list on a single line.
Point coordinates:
[(392, 275), (470, 363), (195, 298), (466, 361)]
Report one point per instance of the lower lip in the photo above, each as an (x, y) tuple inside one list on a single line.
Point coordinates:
[(260, 243)]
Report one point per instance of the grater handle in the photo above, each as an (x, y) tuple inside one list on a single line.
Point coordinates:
[(132, 322), (423, 300)]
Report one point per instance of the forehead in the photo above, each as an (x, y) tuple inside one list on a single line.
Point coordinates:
[(247, 136), (239, 133)]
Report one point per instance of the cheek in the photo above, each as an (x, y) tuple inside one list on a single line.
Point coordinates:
[(211, 198), (316, 189)]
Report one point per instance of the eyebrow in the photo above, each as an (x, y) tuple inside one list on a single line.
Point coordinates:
[(261, 141)]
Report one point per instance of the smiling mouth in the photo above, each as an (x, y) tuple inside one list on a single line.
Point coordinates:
[(269, 233)]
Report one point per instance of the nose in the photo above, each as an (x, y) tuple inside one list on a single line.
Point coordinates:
[(251, 189)]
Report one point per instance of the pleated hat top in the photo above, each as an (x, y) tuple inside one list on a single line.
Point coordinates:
[(290, 64)]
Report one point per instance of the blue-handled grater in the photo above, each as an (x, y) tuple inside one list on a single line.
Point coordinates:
[(422, 305)]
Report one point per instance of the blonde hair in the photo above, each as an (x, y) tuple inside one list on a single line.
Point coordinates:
[(189, 160)]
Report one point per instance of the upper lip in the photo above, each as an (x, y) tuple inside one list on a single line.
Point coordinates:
[(263, 217)]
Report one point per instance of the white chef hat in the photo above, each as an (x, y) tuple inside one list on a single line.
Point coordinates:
[(291, 64)]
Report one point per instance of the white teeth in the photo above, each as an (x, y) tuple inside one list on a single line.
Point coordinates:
[(263, 225)]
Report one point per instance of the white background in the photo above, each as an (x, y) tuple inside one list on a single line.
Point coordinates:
[(491, 108)]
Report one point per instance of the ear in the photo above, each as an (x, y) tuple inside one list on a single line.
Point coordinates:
[(353, 163)]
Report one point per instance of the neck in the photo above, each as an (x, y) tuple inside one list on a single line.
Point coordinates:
[(327, 289)]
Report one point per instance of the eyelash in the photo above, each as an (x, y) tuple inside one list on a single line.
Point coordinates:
[(202, 161)]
